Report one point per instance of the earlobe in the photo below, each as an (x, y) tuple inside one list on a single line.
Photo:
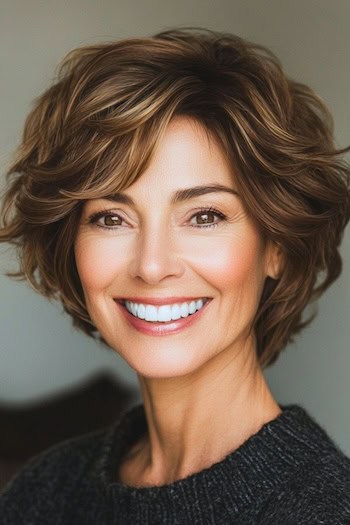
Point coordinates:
[(275, 261)]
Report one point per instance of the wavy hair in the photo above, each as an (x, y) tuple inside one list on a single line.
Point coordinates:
[(93, 132)]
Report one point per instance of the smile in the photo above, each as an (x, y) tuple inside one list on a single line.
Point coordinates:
[(166, 312), (176, 317)]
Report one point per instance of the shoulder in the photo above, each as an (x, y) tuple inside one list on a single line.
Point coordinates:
[(318, 493), (46, 483)]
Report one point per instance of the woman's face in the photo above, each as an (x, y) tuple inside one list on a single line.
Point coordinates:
[(153, 248)]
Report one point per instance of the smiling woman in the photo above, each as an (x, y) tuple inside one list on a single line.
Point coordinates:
[(185, 201), (163, 246)]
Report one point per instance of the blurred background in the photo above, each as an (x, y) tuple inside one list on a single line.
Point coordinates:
[(43, 361)]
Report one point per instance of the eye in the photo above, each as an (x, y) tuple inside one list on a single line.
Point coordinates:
[(207, 218), (106, 219), (111, 220)]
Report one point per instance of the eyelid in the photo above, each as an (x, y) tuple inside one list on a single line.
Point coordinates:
[(102, 213)]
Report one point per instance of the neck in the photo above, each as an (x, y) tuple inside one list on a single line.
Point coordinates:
[(196, 420)]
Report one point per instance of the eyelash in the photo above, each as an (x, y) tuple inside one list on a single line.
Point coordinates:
[(104, 213)]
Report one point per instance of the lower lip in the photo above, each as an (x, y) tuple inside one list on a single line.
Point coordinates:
[(158, 329)]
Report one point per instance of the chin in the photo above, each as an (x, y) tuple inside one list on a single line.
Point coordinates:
[(163, 363)]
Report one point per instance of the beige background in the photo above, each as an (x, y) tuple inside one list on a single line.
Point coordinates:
[(39, 351)]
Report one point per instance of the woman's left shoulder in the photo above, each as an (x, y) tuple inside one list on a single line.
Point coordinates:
[(318, 493)]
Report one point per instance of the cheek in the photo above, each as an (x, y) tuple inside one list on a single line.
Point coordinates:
[(98, 262), (233, 262)]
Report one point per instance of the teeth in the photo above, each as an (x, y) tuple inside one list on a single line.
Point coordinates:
[(140, 311), (164, 313), (133, 309), (151, 313), (175, 312), (192, 307), (184, 310)]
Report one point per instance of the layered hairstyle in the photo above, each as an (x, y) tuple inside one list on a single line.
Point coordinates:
[(93, 133)]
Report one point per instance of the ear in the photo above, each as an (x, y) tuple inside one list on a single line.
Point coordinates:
[(274, 260)]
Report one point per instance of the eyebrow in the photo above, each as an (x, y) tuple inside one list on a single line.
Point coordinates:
[(178, 196)]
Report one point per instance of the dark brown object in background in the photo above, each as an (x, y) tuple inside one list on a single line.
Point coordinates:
[(27, 429)]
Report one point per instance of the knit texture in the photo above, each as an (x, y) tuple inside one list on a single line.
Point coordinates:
[(290, 472)]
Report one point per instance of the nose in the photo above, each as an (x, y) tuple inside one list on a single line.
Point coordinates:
[(156, 256)]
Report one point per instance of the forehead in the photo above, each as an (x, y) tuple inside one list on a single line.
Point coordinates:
[(187, 155)]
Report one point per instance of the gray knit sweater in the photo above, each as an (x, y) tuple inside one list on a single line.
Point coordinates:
[(289, 472)]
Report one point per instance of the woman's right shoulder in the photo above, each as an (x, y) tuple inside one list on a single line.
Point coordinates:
[(47, 481)]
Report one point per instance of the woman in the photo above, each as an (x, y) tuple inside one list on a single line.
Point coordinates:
[(184, 200)]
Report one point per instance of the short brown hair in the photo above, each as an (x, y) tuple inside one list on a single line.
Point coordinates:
[(94, 131)]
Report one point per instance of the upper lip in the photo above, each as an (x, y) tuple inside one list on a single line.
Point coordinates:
[(161, 300)]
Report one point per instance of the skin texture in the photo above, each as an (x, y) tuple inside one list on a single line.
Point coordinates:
[(203, 382)]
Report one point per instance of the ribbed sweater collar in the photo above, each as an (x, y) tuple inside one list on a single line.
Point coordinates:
[(240, 481)]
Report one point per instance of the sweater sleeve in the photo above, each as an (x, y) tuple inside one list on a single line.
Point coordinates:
[(49, 484)]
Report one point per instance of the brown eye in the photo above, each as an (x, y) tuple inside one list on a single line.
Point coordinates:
[(106, 219), (206, 218), (111, 220)]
